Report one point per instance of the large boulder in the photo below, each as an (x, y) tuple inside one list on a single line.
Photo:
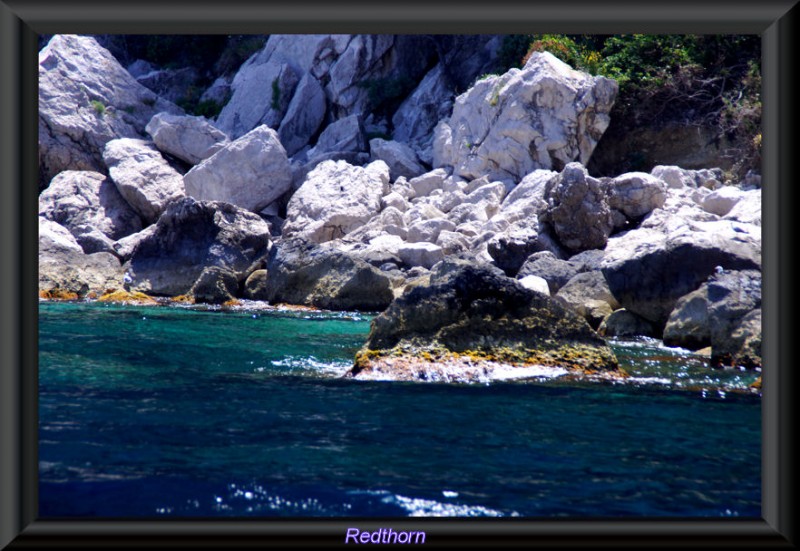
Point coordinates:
[(64, 267), (308, 274), (578, 209), (335, 199), (303, 116), (193, 235), (400, 158), (191, 139), (544, 115), (588, 295), (86, 99), (555, 271), (346, 134), (635, 194), (88, 202), (142, 176), (650, 268), (471, 321), (250, 172)]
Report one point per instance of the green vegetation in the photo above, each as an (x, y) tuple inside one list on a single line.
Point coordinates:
[(386, 94), (99, 108), (704, 80)]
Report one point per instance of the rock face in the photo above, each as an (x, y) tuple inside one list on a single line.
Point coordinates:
[(193, 235), (542, 116), (478, 314), (400, 158), (250, 172), (578, 209), (64, 266), (303, 116), (648, 269), (86, 99), (88, 202), (335, 199), (142, 176), (191, 139), (302, 273), (622, 323)]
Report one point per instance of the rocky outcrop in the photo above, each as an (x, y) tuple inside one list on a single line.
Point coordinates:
[(650, 268), (86, 99), (304, 115), (622, 323), (542, 116), (588, 295), (142, 176), (88, 203), (636, 194), (193, 235), (555, 271), (578, 209), (64, 267), (305, 273), (191, 139), (466, 322), (250, 172), (400, 158), (335, 199)]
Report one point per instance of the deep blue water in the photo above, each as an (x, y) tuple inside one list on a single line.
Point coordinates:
[(175, 412)]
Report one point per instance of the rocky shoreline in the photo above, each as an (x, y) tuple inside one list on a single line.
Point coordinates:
[(476, 229)]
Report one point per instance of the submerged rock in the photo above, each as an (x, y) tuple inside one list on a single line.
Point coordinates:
[(474, 317)]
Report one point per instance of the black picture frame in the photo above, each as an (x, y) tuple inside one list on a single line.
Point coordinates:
[(20, 23)]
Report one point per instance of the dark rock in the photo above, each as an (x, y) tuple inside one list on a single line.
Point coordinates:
[(555, 271), (255, 287), (193, 235), (322, 277), (477, 313), (622, 323), (741, 347), (582, 292), (510, 250), (215, 286), (735, 330)]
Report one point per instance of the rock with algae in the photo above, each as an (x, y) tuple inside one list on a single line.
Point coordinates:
[(473, 323)]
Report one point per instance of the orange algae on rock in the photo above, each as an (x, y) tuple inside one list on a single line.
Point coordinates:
[(127, 297)]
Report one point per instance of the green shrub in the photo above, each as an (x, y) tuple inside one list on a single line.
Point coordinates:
[(99, 108)]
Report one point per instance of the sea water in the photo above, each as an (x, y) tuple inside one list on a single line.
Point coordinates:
[(184, 412)]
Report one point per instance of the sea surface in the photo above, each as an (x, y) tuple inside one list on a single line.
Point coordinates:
[(167, 411)]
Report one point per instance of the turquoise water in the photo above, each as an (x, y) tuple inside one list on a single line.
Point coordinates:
[(178, 412)]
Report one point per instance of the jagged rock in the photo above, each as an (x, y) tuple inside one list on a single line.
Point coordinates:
[(650, 268), (420, 254), (255, 286), (87, 203), (470, 321), (742, 346), (428, 230), (215, 286), (191, 139), (260, 97), (86, 99), (542, 116), (452, 242), (400, 158), (336, 199), (635, 194), (219, 92), (250, 172), (419, 113), (171, 84), (426, 183), (63, 265), (675, 176), (322, 277), (142, 176), (303, 116), (578, 209), (721, 201), (509, 250), (124, 247), (622, 323), (555, 271), (346, 134), (193, 235), (394, 200)]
